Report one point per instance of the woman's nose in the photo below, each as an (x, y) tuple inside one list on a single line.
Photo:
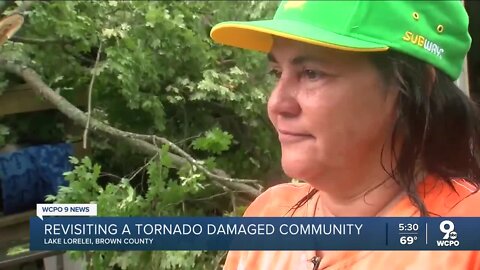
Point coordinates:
[(283, 100)]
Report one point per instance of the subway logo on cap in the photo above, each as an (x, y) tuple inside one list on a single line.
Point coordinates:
[(423, 42)]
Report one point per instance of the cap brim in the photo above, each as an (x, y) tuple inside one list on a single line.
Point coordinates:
[(258, 36)]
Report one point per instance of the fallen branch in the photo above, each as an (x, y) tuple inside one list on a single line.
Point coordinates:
[(191, 160), (90, 90), (137, 141), (23, 7), (37, 41)]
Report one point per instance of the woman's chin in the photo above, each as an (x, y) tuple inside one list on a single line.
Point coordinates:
[(300, 168)]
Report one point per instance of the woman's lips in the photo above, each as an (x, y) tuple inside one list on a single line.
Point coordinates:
[(286, 136)]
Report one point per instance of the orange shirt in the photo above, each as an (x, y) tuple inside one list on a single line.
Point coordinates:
[(439, 198)]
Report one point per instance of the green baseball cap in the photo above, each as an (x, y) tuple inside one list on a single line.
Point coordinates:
[(433, 31)]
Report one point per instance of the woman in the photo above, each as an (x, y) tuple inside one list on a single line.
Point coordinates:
[(368, 115)]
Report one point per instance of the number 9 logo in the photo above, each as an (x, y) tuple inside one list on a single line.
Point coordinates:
[(447, 228)]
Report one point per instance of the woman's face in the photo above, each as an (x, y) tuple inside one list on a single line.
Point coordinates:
[(331, 109)]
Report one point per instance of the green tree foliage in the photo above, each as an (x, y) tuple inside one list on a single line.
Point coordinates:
[(165, 197), (159, 73)]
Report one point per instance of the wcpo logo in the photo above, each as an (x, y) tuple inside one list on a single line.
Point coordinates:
[(450, 235), (423, 42)]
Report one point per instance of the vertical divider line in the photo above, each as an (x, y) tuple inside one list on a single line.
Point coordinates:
[(426, 233), (386, 233)]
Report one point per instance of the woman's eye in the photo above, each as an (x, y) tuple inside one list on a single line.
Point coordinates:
[(312, 74), (275, 72)]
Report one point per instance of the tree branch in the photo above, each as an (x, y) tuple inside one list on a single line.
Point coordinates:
[(191, 160), (36, 41), (21, 9), (137, 141), (25, 6), (90, 90)]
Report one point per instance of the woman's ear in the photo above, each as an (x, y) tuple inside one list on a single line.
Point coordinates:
[(9, 26)]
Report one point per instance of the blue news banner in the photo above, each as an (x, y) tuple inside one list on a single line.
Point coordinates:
[(233, 233)]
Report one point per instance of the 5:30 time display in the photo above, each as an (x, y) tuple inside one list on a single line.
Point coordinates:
[(408, 227)]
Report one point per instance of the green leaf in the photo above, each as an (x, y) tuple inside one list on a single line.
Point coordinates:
[(73, 160), (87, 162), (214, 141), (4, 130)]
